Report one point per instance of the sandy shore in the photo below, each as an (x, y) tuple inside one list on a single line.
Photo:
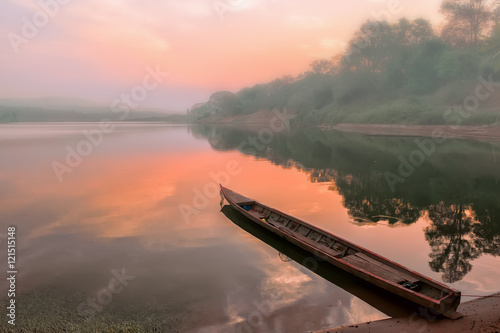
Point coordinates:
[(480, 315), (480, 133)]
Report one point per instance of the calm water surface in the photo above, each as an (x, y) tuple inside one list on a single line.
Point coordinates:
[(144, 202)]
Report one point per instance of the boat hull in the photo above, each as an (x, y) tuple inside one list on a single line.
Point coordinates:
[(445, 305)]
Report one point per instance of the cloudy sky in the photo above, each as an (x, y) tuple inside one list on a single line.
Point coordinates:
[(100, 49)]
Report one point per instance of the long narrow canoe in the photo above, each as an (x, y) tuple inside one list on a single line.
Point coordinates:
[(350, 257)]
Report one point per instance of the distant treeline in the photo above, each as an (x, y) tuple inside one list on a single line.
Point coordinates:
[(403, 72), (15, 114)]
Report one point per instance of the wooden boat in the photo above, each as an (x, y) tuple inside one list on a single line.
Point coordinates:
[(386, 302), (350, 257)]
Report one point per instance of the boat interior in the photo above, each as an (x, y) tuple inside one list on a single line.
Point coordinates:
[(341, 250)]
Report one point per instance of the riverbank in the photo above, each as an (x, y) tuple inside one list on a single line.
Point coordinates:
[(480, 133), (480, 315), (263, 118)]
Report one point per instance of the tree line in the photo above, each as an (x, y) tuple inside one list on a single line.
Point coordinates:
[(384, 62)]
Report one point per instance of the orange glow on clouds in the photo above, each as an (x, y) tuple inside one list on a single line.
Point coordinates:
[(109, 42)]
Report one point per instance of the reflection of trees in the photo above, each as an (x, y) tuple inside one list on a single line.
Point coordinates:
[(488, 228), (218, 139), (355, 166), (374, 210), (365, 202), (363, 198), (320, 175), (452, 239)]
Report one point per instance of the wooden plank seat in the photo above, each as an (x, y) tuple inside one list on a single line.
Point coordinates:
[(258, 215), (319, 246), (404, 275), (373, 266)]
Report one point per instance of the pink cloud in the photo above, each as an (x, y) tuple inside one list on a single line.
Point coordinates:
[(103, 45)]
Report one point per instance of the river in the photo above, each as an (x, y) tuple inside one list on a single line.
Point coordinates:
[(122, 224)]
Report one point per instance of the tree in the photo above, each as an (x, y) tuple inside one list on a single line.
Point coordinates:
[(451, 236), (421, 30), (467, 20), (387, 50), (492, 49), (458, 64), (422, 69), (369, 47), (322, 66), (408, 33)]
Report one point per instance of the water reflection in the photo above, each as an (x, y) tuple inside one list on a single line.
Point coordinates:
[(455, 189), (120, 208), (380, 299), (451, 236)]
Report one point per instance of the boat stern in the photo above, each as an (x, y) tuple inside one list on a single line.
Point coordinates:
[(449, 305)]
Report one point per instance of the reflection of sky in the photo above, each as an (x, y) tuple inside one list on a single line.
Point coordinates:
[(120, 208)]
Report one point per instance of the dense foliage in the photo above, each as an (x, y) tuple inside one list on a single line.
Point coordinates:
[(402, 72)]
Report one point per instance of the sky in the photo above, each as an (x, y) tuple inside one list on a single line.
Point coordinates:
[(102, 49)]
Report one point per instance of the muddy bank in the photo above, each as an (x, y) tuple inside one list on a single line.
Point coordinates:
[(480, 133), (263, 118), (480, 315)]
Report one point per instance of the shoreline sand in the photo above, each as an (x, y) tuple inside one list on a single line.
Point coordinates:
[(480, 315)]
